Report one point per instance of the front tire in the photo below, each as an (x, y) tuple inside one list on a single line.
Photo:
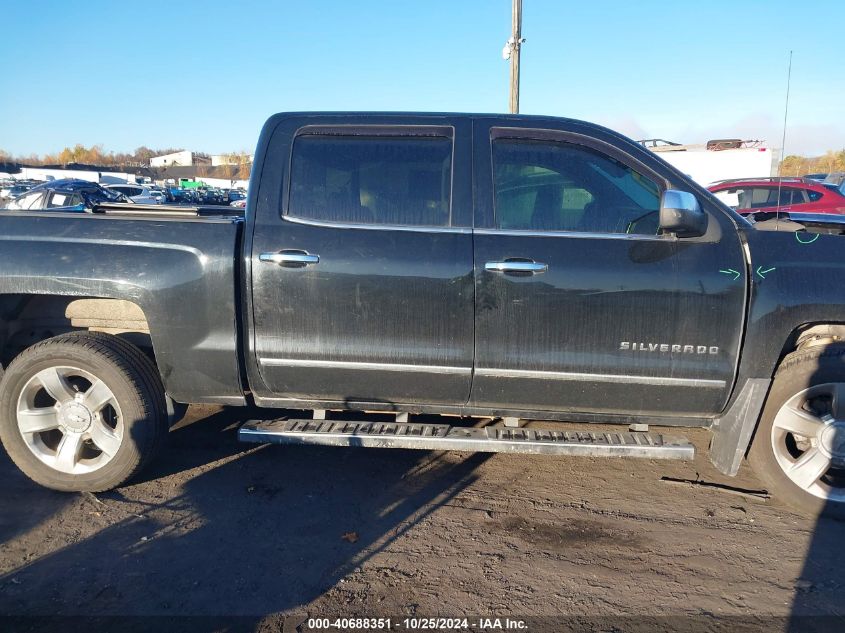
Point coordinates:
[(82, 411), (799, 446)]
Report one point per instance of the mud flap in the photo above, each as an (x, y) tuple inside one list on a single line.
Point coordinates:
[(732, 432)]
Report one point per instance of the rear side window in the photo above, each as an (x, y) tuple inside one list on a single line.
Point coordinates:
[(765, 197), (58, 200), (760, 197), (372, 180), (814, 196), (553, 186)]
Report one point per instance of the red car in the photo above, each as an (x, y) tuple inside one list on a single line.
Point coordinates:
[(799, 195)]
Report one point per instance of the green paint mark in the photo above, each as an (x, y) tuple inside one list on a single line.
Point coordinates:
[(810, 241), (731, 271), (763, 273)]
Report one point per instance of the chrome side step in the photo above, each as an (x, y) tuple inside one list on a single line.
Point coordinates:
[(443, 437)]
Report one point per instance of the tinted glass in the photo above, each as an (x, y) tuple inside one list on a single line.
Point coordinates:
[(814, 196), (542, 186), (372, 180), (760, 197), (795, 196)]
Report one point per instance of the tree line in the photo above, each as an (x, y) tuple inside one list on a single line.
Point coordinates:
[(240, 162), (830, 162), (94, 155)]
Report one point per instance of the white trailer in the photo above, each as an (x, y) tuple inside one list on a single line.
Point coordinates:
[(718, 160)]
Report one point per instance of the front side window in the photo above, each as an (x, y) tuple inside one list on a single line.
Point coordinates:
[(552, 186), (372, 180)]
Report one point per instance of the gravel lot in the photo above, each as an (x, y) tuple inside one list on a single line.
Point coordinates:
[(219, 528)]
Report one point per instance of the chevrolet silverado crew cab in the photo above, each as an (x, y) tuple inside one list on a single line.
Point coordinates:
[(492, 269)]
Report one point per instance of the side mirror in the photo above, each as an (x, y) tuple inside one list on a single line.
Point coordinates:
[(681, 214)]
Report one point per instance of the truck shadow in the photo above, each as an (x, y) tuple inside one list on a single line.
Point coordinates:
[(817, 605), (219, 528)]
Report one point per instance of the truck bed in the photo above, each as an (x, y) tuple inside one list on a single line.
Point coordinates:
[(178, 269)]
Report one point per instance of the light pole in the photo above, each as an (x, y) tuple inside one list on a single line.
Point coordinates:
[(511, 52)]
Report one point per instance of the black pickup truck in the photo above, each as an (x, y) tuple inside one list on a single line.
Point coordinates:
[(492, 269)]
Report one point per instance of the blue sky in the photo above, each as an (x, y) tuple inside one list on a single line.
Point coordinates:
[(205, 75)]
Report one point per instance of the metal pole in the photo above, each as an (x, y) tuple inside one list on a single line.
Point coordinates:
[(516, 39)]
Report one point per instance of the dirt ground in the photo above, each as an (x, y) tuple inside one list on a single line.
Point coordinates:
[(279, 534)]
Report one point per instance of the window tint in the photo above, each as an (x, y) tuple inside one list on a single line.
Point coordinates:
[(544, 186), (814, 196), (764, 197), (372, 180), (795, 196)]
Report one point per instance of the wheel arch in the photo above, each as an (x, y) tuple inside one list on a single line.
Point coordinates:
[(734, 430), (27, 319)]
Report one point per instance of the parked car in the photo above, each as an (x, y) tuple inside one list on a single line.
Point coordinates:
[(140, 194), (232, 195), (177, 195), (211, 195), (158, 195), (66, 194), (759, 195), (816, 177), (508, 267), (238, 204), (836, 182)]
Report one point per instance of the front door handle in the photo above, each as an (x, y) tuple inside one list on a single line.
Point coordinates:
[(296, 259), (516, 266)]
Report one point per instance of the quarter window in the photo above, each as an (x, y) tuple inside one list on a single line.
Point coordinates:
[(372, 180), (544, 186)]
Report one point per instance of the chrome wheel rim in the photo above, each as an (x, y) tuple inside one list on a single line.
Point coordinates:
[(808, 440), (70, 420)]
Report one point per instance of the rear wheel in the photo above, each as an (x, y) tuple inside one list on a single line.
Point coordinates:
[(799, 446), (82, 411)]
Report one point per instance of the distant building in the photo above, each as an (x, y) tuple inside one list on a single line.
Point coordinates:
[(185, 158)]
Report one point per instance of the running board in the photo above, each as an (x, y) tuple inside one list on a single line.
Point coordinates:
[(451, 438)]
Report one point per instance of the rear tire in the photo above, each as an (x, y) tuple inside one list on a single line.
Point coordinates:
[(799, 446), (83, 411)]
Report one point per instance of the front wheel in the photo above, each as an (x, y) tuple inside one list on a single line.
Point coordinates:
[(82, 411), (799, 446)]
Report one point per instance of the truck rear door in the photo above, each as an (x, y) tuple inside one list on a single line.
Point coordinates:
[(361, 260)]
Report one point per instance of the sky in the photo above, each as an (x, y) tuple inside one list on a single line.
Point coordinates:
[(205, 75)]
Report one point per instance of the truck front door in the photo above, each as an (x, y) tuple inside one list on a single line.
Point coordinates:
[(581, 304), (361, 260)]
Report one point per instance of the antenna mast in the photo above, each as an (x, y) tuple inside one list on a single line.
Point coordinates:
[(783, 138)]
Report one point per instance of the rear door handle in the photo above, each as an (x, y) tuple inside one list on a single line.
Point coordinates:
[(516, 266), (298, 259)]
